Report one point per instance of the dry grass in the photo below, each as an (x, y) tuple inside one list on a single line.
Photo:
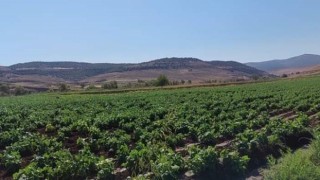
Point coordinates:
[(196, 75)]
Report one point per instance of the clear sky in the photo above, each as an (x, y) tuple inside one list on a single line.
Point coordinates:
[(142, 30)]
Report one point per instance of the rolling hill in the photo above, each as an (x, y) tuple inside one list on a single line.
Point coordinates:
[(290, 65), (182, 69), (3, 68), (314, 70), (48, 73), (70, 71)]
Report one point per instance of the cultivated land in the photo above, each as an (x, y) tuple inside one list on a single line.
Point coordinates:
[(201, 132)]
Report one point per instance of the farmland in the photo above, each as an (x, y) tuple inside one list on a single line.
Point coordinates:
[(221, 132)]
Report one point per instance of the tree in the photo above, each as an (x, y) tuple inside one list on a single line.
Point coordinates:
[(255, 77), (284, 75), (82, 85), (182, 81), (4, 89), (162, 80), (20, 91), (110, 85), (174, 83), (63, 87), (189, 81), (91, 87)]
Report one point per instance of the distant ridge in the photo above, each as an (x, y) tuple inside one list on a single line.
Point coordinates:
[(77, 71), (71, 71), (175, 68), (284, 65)]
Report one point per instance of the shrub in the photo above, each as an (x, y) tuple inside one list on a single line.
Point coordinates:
[(63, 87), (302, 164), (4, 89), (105, 167), (174, 83), (50, 128), (18, 91), (162, 80), (63, 165), (167, 166), (293, 166), (91, 87), (82, 85), (11, 160), (110, 85), (203, 160)]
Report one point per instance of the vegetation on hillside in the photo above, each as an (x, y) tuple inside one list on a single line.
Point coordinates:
[(76, 71), (110, 85), (7, 90), (162, 80)]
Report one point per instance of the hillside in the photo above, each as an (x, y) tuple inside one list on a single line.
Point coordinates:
[(182, 69), (175, 68), (290, 65), (310, 71), (3, 68), (71, 71)]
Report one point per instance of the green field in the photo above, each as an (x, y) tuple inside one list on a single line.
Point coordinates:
[(220, 132)]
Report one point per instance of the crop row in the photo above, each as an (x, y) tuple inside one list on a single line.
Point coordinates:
[(163, 134)]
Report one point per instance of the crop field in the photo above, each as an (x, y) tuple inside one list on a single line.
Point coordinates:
[(203, 133)]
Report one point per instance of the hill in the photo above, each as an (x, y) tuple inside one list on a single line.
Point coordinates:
[(48, 73), (181, 69), (71, 71), (315, 70), (290, 65), (3, 68)]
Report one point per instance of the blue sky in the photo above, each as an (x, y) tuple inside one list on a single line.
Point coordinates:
[(141, 30)]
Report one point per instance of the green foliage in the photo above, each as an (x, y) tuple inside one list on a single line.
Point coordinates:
[(82, 85), (167, 165), (63, 165), (74, 136), (91, 87), (203, 160), (301, 164), (315, 148), (10, 160), (18, 91), (139, 159), (110, 85), (105, 168), (234, 163), (162, 80), (4, 89), (63, 87), (294, 166), (50, 128)]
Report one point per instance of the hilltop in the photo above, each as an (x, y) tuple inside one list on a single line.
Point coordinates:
[(48, 73), (290, 65)]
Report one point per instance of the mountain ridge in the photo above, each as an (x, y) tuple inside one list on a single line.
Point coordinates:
[(76, 71), (46, 74), (283, 65)]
